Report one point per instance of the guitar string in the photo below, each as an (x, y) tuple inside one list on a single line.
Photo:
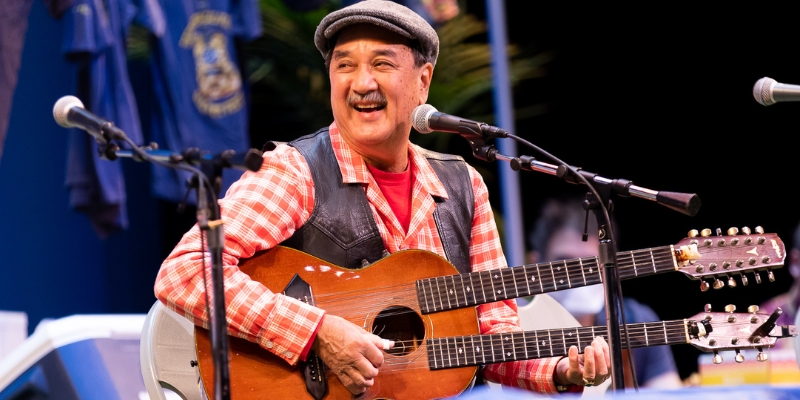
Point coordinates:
[(675, 334), (626, 262), (489, 354), (330, 298), (353, 301)]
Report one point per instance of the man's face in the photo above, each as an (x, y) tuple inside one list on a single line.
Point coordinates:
[(374, 89)]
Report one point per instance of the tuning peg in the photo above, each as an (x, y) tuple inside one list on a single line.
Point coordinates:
[(717, 359), (759, 230), (719, 232), (770, 275), (761, 355), (745, 230), (733, 231), (707, 308), (758, 277), (739, 357), (704, 286), (718, 284), (693, 233), (752, 309), (731, 281), (730, 308), (705, 232), (745, 282)]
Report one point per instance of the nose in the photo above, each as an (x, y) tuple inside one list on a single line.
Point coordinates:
[(365, 81)]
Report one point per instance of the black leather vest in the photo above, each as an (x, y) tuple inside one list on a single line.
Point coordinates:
[(341, 229)]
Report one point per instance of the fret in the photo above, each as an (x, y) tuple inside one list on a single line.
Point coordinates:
[(483, 288), (447, 291), (525, 344), (553, 274), (497, 293), (454, 288), (550, 342), (646, 338), (514, 279), (432, 359), (633, 261), (653, 260), (463, 351), (491, 348), (536, 342), (527, 282), (471, 290), (564, 340), (423, 294), (539, 276), (566, 269), (449, 347), (439, 293), (583, 274), (664, 326)]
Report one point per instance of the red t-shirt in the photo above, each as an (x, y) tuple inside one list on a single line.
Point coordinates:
[(396, 188)]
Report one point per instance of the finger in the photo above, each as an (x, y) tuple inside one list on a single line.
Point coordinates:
[(574, 370), (383, 344), (589, 371), (348, 383), (600, 347), (373, 352)]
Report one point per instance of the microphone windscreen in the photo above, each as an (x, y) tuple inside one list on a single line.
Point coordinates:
[(420, 116), (62, 107), (762, 91)]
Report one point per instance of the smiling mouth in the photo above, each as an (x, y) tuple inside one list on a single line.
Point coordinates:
[(369, 108)]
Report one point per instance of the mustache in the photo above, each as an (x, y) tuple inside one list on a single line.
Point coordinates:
[(370, 97)]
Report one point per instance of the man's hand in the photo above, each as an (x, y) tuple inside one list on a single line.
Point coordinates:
[(352, 353), (588, 369)]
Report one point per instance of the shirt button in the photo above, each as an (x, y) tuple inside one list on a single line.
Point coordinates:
[(289, 354), (269, 344)]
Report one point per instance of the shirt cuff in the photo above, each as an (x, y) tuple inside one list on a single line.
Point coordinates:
[(310, 343)]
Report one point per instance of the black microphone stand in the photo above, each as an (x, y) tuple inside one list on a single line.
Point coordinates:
[(685, 203), (208, 220)]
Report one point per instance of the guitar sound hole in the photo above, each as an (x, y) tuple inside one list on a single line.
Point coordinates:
[(403, 326)]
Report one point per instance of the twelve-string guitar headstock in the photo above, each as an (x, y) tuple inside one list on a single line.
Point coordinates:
[(718, 258)]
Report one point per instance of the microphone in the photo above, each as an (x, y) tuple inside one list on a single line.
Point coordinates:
[(767, 91), (427, 119), (70, 113)]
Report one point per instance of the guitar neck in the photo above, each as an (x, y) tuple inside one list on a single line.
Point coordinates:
[(470, 289), (462, 351)]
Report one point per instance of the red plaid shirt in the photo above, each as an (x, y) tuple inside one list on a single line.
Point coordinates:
[(264, 208)]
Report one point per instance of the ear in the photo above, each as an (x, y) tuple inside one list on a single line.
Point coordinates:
[(425, 76)]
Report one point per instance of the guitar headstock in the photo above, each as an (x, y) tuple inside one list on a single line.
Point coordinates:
[(717, 258), (720, 331)]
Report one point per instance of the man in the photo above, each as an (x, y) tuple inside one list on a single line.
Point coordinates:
[(557, 235), (309, 195)]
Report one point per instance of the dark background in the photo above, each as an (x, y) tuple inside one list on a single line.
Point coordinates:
[(661, 97)]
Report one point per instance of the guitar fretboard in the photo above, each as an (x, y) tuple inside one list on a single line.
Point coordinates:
[(469, 289), (462, 351)]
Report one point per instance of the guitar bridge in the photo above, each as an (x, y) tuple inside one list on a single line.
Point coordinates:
[(313, 369)]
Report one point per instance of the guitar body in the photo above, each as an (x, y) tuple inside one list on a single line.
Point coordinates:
[(381, 298)]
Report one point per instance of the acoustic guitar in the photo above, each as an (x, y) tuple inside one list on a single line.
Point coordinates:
[(417, 299)]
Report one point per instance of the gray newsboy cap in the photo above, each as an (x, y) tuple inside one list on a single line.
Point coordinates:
[(384, 13)]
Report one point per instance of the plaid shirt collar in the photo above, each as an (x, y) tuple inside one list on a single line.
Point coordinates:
[(355, 171)]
